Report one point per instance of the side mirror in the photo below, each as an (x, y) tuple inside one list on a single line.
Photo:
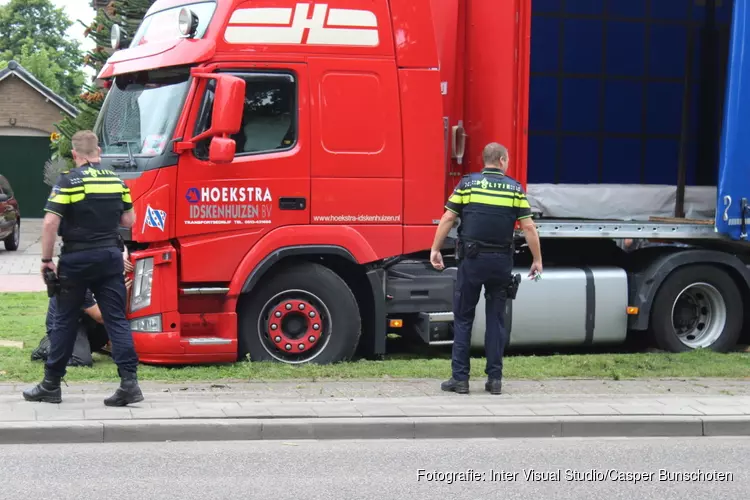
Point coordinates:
[(221, 150), (226, 119), (3, 197)]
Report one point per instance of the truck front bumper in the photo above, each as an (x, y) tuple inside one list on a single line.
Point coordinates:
[(171, 347)]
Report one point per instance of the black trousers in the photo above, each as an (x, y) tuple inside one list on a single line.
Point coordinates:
[(101, 271), (493, 271)]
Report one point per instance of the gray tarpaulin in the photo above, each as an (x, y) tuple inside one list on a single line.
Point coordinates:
[(619, 201)]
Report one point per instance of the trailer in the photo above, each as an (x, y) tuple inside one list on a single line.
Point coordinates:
[(623, 122), (627, 141)]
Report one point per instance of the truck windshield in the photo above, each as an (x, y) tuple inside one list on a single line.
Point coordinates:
[(140, 112)]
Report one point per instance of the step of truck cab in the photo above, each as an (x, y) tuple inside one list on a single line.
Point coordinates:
[(435, 328)]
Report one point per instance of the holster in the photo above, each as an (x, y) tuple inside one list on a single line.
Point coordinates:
[(52, 282), (513, 285), (459, 250)]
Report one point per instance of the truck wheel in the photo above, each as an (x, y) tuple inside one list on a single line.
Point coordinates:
[(697, 307), (13, 241), (303, 314)]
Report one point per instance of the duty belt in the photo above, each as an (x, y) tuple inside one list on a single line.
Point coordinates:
[(490, 248), (79, 246)]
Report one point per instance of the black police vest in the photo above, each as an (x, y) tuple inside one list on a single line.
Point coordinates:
[(489, 218), (93, 218)]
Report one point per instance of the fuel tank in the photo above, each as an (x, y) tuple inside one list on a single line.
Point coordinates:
[(568, 306)]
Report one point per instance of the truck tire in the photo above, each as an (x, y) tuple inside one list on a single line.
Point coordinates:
[(303, 314), (697, 307)]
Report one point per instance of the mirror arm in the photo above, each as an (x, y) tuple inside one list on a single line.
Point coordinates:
[(182, 146), (203, 135)]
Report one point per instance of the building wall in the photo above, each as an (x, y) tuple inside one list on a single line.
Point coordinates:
[(29, 108)]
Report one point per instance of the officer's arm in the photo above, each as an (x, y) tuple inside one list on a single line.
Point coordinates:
[(528, 227), (62, 195), (128, 215), (91, 308), (453, 208), (95, 313)]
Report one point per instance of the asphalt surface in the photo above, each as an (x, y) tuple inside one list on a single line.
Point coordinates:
[(379, 469)]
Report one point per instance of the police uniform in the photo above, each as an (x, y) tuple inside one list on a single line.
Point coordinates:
[(489, 204), (90, 201)]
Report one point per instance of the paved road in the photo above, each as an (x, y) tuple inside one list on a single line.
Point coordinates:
[(376, 469)]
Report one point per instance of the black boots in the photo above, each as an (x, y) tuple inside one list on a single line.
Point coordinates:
[(494, 386), (453, 385), (128, 392), (48, 391)]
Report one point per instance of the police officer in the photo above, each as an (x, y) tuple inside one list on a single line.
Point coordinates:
[(489, 204), (87, 205)]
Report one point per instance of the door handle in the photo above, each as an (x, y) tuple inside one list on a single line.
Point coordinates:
[(292, 203)]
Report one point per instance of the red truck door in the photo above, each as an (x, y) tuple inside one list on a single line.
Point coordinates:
[(222, 210)]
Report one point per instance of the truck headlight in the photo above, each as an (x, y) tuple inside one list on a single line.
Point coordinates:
[(147, 324), (142, 278)]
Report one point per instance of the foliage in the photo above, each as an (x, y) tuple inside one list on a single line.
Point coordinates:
[(53, 169), (43, 64), (34, 34), (128, 14)]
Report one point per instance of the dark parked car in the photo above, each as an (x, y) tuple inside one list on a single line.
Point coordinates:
[(10, 216)]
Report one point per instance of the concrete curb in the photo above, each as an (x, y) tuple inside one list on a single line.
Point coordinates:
[(114, 431)]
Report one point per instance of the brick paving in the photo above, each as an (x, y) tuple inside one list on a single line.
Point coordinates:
[(395, 398)]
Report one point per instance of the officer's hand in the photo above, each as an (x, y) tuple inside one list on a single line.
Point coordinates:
[(127, 265), (536, 267), (48, 265), (436, 259), (128, 283)]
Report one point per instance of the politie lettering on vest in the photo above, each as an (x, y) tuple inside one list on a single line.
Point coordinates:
[(88, 205), (489, 204)]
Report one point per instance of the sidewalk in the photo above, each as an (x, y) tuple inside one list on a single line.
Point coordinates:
[(19, 270), (381, 409)]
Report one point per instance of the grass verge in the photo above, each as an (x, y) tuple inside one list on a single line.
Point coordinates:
[(22, 319)]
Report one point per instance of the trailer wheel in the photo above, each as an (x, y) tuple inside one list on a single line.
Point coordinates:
[(697, 307), (302, 314)]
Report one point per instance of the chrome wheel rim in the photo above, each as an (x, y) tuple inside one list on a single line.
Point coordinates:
[(699, 314)]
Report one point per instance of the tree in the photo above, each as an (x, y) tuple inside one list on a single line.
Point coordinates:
[(43, 64), (128, 14), (34, 34)]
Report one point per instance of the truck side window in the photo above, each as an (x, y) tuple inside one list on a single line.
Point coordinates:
[(269, 119)]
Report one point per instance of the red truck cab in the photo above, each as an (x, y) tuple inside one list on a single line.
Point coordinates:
[(283, 155)]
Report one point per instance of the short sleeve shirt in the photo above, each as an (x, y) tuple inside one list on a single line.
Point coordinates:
[(505, 193), (489, 204), (90, 201)]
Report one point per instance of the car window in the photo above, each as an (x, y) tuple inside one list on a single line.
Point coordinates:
[(5, 187)]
